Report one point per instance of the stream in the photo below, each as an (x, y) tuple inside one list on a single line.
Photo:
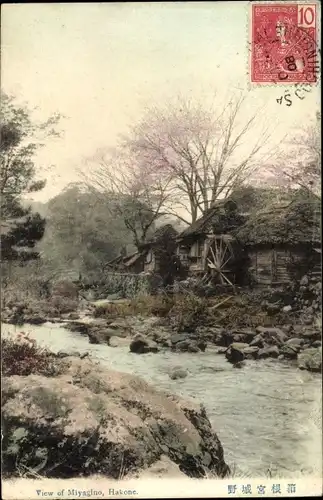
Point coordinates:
[(267, 415)]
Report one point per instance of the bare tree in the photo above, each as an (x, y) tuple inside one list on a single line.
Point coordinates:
[(302, 159), (203, 153), (136, 193)]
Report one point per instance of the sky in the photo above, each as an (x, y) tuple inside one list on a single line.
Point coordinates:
[(101, 65)]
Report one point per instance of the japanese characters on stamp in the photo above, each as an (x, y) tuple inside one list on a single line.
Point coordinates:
[(283, 43)]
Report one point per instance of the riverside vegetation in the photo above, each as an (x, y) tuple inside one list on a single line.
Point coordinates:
[(126, 426)]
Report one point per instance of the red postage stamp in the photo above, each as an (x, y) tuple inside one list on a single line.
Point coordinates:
[(284, 42)]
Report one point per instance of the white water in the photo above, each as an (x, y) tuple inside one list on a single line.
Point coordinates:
[(267, 415)]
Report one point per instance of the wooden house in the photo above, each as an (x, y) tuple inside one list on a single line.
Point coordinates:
[(154, 256), (208, 248), (283, 243)]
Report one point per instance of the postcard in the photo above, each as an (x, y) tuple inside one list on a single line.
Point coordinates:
[(161, 281)]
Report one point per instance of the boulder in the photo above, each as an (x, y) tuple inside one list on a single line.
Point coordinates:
[(201, 345), (65, 354), (258, 341), (102, 335), (178, 373), (34, 319), (287, 309), (74, 316), (310, 359), (119, 341), (316, 343), (179, 337), (90, 420), (251, 352), (272, 335), (310, 335), (142, 345), (244, 335), (123, 328), (295, 341), (268, 352), (289, 351), (235, 352), (224, 338)]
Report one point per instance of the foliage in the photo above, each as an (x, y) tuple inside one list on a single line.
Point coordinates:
[(81, 232), (61, 305), (65, 289), (30, 291), (142, 305), (21, 137), (126, 285), (21, 356), (188, 312)]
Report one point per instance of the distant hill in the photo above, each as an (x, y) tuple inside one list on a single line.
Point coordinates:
[(37, 206)]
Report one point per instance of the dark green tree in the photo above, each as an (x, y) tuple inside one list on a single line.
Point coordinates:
[(21, 137)]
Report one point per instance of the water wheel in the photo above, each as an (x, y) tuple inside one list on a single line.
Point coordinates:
[(219, 253)]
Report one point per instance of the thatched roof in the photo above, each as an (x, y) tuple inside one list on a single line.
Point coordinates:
[(294, 223), (221, 218)]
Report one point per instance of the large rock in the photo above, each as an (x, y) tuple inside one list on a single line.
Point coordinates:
[(119, 341), (289, 351), (89, 420), (310, 335), (179, 337), (268, 352), (310, 359), (35, 319), (258, 341), (295, 341), (103, 335), (251, 352), (190, 345), (178, 372), (235, 352), (244, 335), (272, 335), (142, 345), (223, 338)]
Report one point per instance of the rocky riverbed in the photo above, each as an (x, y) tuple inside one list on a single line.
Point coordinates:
[(297, 343), (266, 415)]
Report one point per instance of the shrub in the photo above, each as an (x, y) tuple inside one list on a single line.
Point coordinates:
[(143, 305), (22, 356), (65, 288), (62, 305), (188, 312)]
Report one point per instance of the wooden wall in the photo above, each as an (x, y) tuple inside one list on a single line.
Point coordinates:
[(270, 265)]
